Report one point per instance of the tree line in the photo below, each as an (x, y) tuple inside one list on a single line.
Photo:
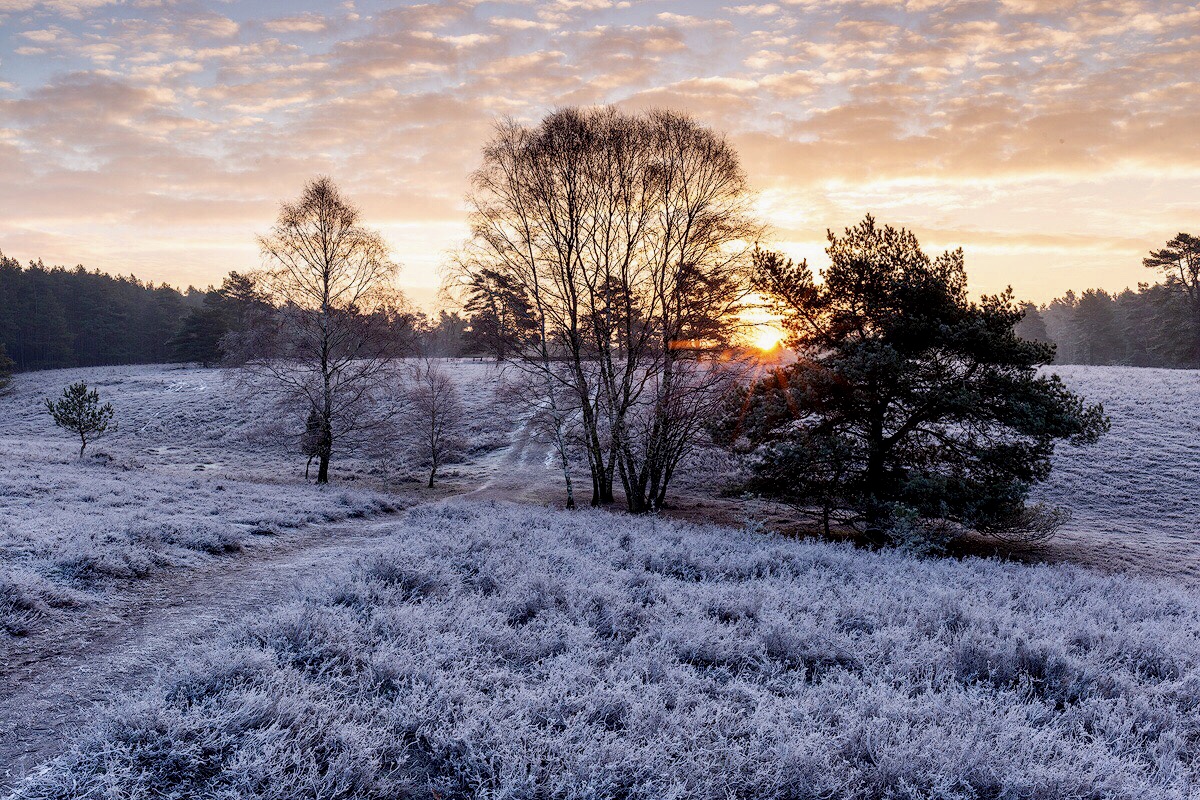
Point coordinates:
[(1158, 325), (54, 317)]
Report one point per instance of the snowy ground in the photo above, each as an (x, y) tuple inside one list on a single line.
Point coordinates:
[(500, 651), (195, 514), (197, 468)]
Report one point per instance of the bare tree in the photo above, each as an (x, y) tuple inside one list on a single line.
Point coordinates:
[(331, 329), (435, 414), (627, 235)]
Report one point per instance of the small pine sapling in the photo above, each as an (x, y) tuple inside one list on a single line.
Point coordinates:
[(79, 411)]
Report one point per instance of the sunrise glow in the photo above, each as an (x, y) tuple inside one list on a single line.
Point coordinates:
[(767, 337), (159, 138)]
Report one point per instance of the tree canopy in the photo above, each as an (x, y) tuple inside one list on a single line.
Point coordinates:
[(606, 259), (911, 407), (80, 411)]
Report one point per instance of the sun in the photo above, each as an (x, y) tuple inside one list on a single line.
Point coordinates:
[(767, 337)]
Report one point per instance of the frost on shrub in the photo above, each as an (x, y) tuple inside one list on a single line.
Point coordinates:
[(26, 597), (496, 651)]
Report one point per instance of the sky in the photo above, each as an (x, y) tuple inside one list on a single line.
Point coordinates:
[(1054, 140)]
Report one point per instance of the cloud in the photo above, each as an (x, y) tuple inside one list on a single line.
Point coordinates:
[(1021, 127), (301, 23)]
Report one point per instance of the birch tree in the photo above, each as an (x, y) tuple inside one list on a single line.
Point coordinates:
[(326, 344), (628, 234)]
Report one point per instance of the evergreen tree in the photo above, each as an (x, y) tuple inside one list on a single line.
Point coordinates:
[(79, 411), (445, 338), (911, 407), (1032, 326), (1099, 338), (55, 317), (198, 339), (6, 370), (1179, 263), (500, 319)]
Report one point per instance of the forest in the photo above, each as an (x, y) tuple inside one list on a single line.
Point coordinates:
[(54, 317)]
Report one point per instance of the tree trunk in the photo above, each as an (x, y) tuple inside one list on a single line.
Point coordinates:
[(323, 469), (432, 472)]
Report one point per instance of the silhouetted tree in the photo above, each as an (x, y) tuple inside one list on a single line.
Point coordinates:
[(1032, 326), (909, 403), (500, 321), (55, 317), (626, 235), (445, 337), (199, 337), (1099, 338), (1179, 263), (79, 410), (325, 345)]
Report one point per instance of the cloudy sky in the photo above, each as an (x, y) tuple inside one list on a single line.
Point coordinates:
[(1055, 140)]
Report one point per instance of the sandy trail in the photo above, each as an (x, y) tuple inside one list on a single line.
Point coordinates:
[(51, 683)]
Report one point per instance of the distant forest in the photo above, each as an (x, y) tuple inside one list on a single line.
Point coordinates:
[(1156, 326), (1150, 327), (54, 317)]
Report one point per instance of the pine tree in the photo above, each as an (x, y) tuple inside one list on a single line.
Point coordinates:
[(79, 411), (910, 403), (198, 339), (6, 370)]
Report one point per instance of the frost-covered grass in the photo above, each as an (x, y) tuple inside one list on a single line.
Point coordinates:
[(500, 651), (188, 476), (1133, 496), (75, 529), (195, 468)]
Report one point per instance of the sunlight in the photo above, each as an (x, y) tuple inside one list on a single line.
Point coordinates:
[(767, 337)]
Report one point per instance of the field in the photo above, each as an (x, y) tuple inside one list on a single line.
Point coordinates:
[(500, 651), (328, 642), (1133, 497), (197, 469)]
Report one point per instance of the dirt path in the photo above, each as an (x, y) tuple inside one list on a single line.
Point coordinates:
[(50, 683), (525, 471)]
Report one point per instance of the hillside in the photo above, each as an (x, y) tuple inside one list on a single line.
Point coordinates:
[(1132, 496), (502, 650), (198, 468)]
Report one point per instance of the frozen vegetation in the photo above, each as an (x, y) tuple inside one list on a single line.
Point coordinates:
[(1132, 496), (496, 650), (194, 470), (504, 651)]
